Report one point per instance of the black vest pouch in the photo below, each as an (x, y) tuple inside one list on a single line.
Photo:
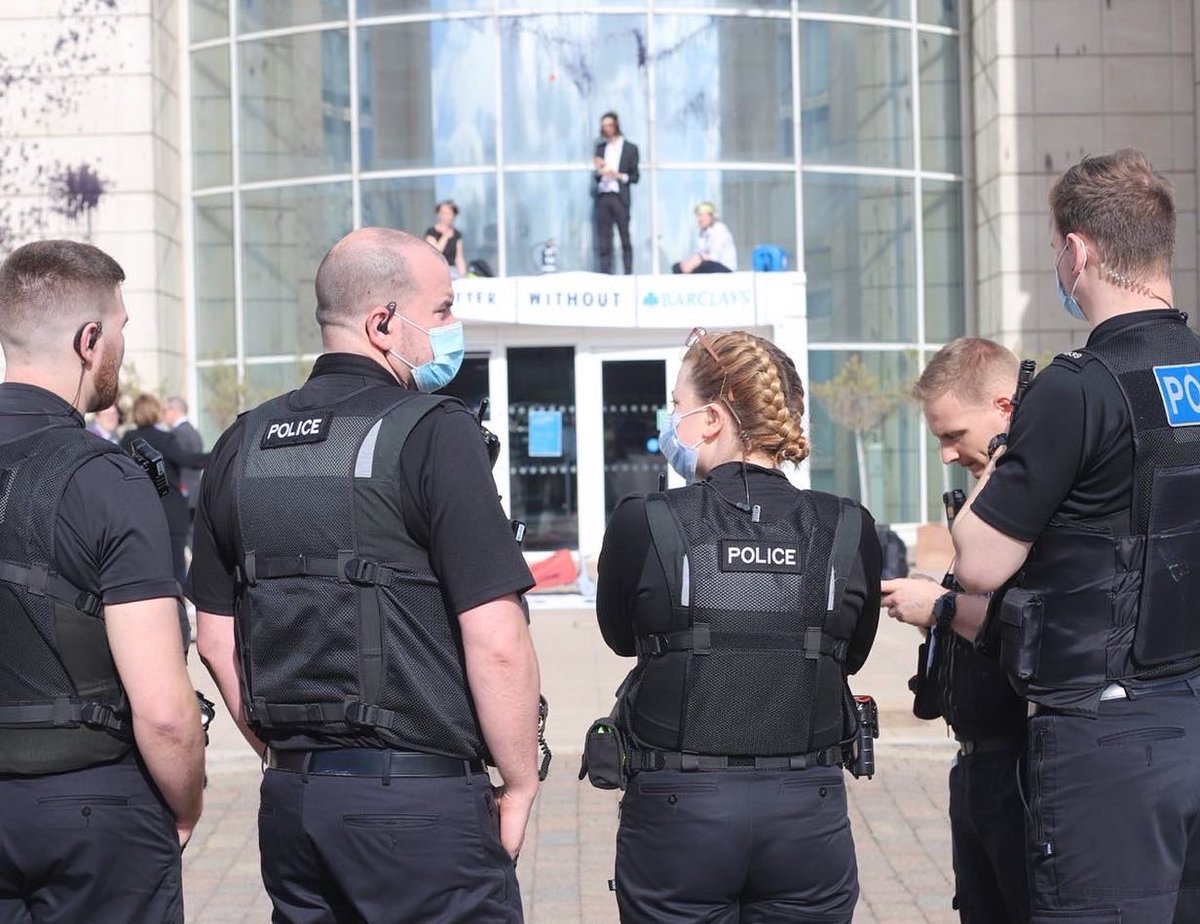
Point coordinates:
[(1171, 580), (605, 755), (1021, 616)]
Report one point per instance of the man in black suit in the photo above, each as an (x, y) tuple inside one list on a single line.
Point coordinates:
[(616, 166), (175, 411)]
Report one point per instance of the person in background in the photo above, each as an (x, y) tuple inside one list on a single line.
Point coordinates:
[(174, 415), (614, 170), (104, 423), (447, 238), (715, 250)]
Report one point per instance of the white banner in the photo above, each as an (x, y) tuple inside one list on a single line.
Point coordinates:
[(717, 300), (483, 299), (577, 300)]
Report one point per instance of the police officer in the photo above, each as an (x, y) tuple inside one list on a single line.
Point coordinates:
[(1092, 510), (101, 749), (747, 602), (965, 393), (352, 530)]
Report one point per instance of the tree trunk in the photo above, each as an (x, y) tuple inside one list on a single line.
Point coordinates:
[(864, 483)]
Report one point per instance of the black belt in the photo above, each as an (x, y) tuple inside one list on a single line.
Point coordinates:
[(371, 762), (668, 760), (990, 745)]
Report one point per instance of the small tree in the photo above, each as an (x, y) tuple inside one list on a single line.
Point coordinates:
[(856, 400)]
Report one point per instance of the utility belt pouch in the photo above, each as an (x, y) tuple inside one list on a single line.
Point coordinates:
[(1019, 618), (927, 700), (605, 755)]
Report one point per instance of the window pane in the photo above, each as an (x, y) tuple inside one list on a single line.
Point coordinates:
[(723, 88), (886, 9), (286, 233), (408, 204), (543, 486), (892, 438), (940, 12), (561, 73), (558, 204), (857, 109), (859, 258), (417, 106), (724, 4), (941, 115), (212, 159), (254, 15), (215, 319), (220, 400), (945, 292), (295, 105), (757, 207), (396, 7), (209, 19)]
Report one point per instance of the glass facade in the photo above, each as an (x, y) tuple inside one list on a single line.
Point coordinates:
[(829, 128)]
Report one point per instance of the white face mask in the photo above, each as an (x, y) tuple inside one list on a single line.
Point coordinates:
[(683, 459)]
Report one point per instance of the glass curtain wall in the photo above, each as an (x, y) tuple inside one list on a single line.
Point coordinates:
[(828, 128)]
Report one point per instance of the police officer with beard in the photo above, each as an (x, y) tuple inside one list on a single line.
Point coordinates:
[(356, 585), (747, 602), (1088, 529), (965, 393), (101, 748)]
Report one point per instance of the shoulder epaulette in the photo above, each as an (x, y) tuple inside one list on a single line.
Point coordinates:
[(1074, 360)]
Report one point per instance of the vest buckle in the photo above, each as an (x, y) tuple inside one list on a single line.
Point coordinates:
[(656, 645), (362, 714), (361, 571)]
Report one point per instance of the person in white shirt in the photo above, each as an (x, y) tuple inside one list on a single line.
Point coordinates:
[(715, 251), (615, 167)]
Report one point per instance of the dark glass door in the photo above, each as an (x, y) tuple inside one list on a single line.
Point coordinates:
[(634, 394)]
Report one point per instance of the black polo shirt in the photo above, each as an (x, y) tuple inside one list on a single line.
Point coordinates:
[(111, 534), (448, 499), (631, 580), (1070, 448)]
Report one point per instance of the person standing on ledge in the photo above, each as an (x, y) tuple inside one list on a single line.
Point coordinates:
[(615, 167)]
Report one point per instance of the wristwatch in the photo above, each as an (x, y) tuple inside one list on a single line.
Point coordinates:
[(944, 608)]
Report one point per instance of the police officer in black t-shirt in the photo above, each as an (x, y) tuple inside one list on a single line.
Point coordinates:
[(747, 602), (966, 395), (101, 748), (357, 588), (1093, 511)]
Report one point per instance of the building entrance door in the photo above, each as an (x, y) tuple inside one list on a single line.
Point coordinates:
[(634, 396)]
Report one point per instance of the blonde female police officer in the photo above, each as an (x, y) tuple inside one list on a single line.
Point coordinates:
[(746, 601)]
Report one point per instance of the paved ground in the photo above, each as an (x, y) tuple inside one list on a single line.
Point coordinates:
[(899, 818)]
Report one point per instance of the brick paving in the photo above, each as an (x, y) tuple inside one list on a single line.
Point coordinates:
[(899, 817)]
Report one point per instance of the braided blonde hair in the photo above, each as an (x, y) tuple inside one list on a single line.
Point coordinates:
[(759, 383)]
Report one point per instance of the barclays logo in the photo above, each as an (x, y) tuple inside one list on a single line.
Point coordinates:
[(650, 300)]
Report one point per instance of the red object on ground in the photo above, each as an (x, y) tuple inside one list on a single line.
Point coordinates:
[(554, 571)]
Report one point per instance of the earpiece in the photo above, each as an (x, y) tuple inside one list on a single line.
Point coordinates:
[(92, 337), (382, 326)]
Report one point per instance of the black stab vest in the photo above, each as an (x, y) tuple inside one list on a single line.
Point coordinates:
[(1092, 607), (62, 706), (750, 660), (342, 629)]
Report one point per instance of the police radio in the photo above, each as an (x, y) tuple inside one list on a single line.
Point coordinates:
[(1024, 379), (491, 443), (151, 460), (858, 755), (953, 502)]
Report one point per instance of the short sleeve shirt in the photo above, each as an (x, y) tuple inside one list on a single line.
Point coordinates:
[(448, 500), (1070, 449), (111, 535)]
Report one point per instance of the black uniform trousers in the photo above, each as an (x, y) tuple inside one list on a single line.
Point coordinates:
[(1114, 812), (611, 210), (90, 845), (344, 850), (987, 830), (730, 846)]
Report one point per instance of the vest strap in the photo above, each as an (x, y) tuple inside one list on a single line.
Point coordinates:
[(276, 714), (41, 582), (697, 640), (346, 567), (817, 643), (670, 547), (842, 555), (692, 763), (63, 713)]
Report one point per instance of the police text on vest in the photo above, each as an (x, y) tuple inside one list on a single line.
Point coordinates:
[(292, 431), (1180, 390), (751, 555)]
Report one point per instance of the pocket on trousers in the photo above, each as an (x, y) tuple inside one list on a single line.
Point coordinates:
[(651, 787), (389, 822), (72, 801), (1141, 735), (1098, 916)]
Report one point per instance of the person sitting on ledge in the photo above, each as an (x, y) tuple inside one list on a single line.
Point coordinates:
[(716, 252)]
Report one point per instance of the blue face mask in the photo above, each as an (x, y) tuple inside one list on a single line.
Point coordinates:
[(682, 459), (448, 348), (1068, 298)]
